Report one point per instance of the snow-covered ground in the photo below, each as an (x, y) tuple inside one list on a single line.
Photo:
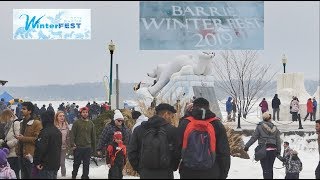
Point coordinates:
[(240, 168)]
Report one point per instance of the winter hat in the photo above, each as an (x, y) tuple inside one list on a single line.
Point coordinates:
[(294, 152), (266, 116), (3, 156), (117, 135), (117, 115), (84, 108)]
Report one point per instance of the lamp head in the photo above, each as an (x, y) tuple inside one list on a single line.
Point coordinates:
[(284, 59), (111, 46)]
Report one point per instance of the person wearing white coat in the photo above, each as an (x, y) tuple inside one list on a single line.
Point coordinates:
[(136, 115), (12, 128)]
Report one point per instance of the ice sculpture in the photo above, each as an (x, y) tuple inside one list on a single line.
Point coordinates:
[(181, 79), (198, 65), (288, 85)]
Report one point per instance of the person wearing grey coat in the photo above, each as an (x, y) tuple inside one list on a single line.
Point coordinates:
[(267, 133)]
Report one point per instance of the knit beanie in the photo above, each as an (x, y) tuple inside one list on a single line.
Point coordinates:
[(117, 115), (84, 108), (3, 157), (117, 135)]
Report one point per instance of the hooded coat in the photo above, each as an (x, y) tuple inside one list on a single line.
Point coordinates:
[(309, 106), (48, 147), (266, 132), (229, 105), (264, 106), (221, 166), (276, 102), (134, 149)]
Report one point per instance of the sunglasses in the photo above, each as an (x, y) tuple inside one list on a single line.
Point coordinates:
[(119, 120)]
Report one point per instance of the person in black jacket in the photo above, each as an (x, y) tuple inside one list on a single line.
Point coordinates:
[(164, 113), (36, 110), (117, 124), (50, 108), (48, 148), (275, 106), (221, 165)]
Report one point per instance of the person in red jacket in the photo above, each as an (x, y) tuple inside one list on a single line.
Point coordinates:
[(116, 156), (309, 109), (264, 105)]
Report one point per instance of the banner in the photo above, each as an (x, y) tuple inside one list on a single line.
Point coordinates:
[(48, 24), (201, 25)]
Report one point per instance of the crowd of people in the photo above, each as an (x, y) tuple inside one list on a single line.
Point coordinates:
[(311, 107), (295, 109), (71, 111), (197, 148)]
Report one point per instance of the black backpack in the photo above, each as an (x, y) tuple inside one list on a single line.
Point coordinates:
[(155, 149)]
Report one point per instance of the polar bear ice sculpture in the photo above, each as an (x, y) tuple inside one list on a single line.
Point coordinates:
[(184, 64)]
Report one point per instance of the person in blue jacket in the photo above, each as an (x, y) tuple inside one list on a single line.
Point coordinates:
[(229, 108)]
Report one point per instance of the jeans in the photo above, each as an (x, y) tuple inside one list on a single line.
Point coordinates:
[(292, 176), (314, 114), (115, 172), (267, 164), (311, 113), (47, 174), (294, 116), (15, 165), (26, 167), (81, 154), (229, 115), (63, 162), (233, 115), (276, 110)]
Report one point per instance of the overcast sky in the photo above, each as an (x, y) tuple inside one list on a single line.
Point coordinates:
[(290, 27)]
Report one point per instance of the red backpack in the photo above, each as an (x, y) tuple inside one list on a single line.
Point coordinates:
[(199, 144)]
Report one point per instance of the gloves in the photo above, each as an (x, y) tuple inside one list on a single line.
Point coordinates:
[(246, 149)]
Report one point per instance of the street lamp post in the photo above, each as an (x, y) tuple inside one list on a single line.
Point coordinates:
[(111, 49), (284, 62)]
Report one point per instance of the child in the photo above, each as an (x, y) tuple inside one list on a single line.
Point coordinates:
[(293, 165), (5, 171), (116, 156)]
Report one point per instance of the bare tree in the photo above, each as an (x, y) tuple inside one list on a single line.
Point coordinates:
[(242, 77)]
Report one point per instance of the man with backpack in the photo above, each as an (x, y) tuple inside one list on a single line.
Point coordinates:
[(152, 149), (205, 151)]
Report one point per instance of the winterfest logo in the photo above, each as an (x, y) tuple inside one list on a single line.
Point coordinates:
[(51, 24), (219, 25)]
